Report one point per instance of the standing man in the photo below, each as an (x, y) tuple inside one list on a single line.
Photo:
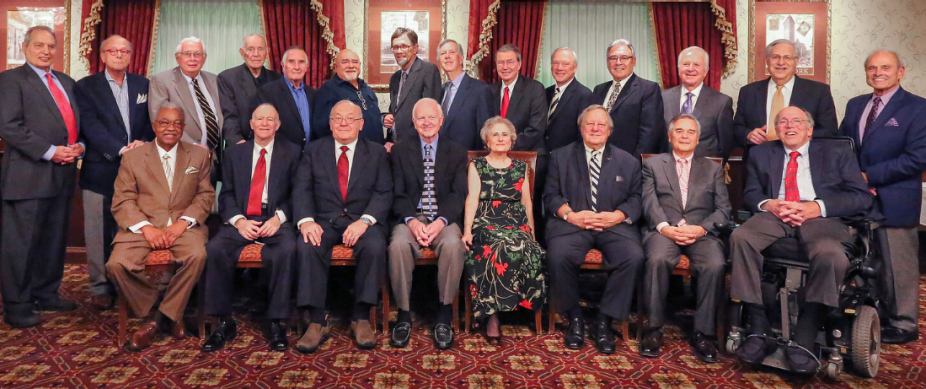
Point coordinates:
[(713, 109), (430, 188), (634, 104), (416, 79), (346, 84), (467, 102), (342, 194), (295, 98), (114, 119), (889, 125), (238, 88), (39, 123), (519, 99), (568, 98)]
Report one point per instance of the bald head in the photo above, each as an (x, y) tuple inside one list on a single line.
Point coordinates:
[(254, 51), (347, 65)]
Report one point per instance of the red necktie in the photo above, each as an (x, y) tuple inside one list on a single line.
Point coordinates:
[(66, 112), (257, 185), (505, 103), (343, 171), (791, 192)]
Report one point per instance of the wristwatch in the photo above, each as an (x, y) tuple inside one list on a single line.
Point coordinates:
[(366, 220), (566, 215)]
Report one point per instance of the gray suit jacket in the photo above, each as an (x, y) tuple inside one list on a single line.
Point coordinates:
[(171, 86), (707, 203), (714, 111), (423, 81)]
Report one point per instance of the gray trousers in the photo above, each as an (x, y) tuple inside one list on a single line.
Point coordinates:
[(707, 261), (99, 230), (404, 250), (900, 248)]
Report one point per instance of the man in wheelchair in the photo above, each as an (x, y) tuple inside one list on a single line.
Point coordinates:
[(797, 189)]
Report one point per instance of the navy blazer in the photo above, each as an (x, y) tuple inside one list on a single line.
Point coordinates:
[(812, 96), (236, 178), (103, 130), (893, 154), (527, 110), (450, 183), (638, 123), (619, 186), (291, 128), (471, 107), (563, 125)]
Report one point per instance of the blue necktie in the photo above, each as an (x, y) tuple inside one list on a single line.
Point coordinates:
[(687, 107)]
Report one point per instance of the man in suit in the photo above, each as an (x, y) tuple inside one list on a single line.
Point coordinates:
[(430, 188), (161, 199), (593, 194), (416, 79), (519, 99), (114, 119), (342, 194), (295, 98), (255, 201), (39, 123), (346, 84), (567, 97), (635, 104), (760, 101), (684, 197), (713, 109), (467, 102), (805, 190), (238, 88), (889, 125)]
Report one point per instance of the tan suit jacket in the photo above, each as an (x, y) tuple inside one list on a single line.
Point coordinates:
[(172, 86)]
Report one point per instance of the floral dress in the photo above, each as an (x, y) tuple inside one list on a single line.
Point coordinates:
[(504, 265)]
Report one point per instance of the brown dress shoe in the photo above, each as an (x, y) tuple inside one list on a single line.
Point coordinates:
[(143, 336), (102, 301), (364, 336), (313, 338), (178, 330)]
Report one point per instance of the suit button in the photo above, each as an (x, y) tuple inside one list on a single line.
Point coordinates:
[(345, 210)]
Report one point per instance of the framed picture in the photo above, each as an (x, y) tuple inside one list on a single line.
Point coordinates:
[(807, 24), (426, 17), (17, 16)]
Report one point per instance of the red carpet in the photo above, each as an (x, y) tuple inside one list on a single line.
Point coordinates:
[(78, 350)]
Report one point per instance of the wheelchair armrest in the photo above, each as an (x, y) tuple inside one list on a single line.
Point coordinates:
[(725, 229)]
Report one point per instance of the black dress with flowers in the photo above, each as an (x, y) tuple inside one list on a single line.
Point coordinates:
[(504, 265)]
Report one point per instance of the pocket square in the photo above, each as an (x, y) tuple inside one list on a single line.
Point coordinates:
[(892, 123), (619, 178), (191, 170), (141, 98)]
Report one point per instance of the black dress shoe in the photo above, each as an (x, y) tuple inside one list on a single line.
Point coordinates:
[(278, 340), (401, 333), (601, 334), (649, 346), (703, 347), (225, 330), (754, 350), (894, 335), (22, 321), (574, 337), (800, 361), (443, 336), (55, 304)]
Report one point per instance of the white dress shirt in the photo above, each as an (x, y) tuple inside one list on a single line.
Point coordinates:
[(510, 90), (788, 87), (351, 147), (804, 180), (695, 93), (199, 110), (264, 196), (172, 162), (675, 159)]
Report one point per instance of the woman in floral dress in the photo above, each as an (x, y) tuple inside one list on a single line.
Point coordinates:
[(503, 265)]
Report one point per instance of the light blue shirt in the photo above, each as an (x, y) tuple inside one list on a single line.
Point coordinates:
[(121, 93), (302, 104), (453, 90), (51, 150)]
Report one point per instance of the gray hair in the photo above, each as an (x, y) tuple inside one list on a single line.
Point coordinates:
[(807, 114), (168, 105), (191, 39), (29, 32), (426, 100), (292, 48), (594, 107), (459, 46), (621, 42), (776, 42), (685, 116), (575, 58), (245, 41), (707, 57), (106, 41), (897, 56), (492, 122), (509, 48)]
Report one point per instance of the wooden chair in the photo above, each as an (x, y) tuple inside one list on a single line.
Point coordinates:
[(342, 255), (530, 158), (157, 261)]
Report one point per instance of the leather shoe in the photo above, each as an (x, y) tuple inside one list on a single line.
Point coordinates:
[(894, 335), (364, 337), (703, 347), (443, 336), (314, 337), (652, 341), (401, 334), (755, 349), (22, 321), (225, 330), (800, 361), (574, 337), (103, 301), (601, 334), (278, 340), (55, 303), (178, 330), (143, 336)]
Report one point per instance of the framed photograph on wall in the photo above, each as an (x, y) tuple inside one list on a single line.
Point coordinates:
[(426, 17), (807, 24), (17, 16)]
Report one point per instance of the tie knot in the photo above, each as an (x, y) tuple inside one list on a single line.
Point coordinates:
[(689, 94), (877, 100), (795, 154), (166, 157), (263, 152), (48, 76), (344, 149), (682, 161), (427, 148), (557, 90), (778, 88)]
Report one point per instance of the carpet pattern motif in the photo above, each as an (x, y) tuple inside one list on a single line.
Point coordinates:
[(78, 350)]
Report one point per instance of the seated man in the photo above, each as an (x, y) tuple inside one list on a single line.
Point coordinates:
[(680, 223), (594, 190), (801, 189), (256, 208), (342, 194), (430, 188), (161, 198)]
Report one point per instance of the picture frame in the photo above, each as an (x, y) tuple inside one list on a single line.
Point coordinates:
[(382, 18), (807, 23), (17, 16)]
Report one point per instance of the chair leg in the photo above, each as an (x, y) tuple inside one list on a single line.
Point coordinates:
[(123, 319), (386, 308), (551, 327), (538, 321), (456, 313), (625, 330), (468, 315), (373, 318)]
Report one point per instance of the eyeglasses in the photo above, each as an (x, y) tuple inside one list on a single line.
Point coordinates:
[(621, 58), (400, 47), (251, 50), (194, 54), (786, 58), (114, 51), (341, 119), (425, 119), (166, 123), (794, 122), (509, 63)]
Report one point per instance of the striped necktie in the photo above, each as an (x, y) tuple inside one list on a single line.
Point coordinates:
[(594, 170), (683, 174), (212, 126), (556, 97), (428, 201)]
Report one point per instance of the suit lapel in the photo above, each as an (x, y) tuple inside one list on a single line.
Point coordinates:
[(330, 158), (458, 99), (183, 160), (776, 163), (668, 168), (853, 115), (409, 81), (761, 95), (886, 113), (246, 80), (418, 162), (43, 91), (290, 104), (104, 90), (626, 92), (582, 165), (607, 167), (514, 100), (358, 165), (276, 172), (674, 101), (156, 168), (816, 160), (567, 94), (187, 101), (697, 177)]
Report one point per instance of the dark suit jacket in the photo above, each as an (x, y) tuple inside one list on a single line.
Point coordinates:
[(423, 81), (563, 124), (103, 130), (714, 111), (291, 128), (707, 203), (30, 123), (815, 97), (449, 180), (568, 183), (317, 194), (237, 91), (471, 107), (527, 110), (236, 178), (638, 123), (893, 154), (834, 171)]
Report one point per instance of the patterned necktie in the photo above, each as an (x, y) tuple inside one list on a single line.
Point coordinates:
[(594, 170), (778, 103), (504, 111), (343, 171), (683, 173), (65, 108), (256, 196), (556, 97), (398, 95), (613, 99), (872, 115), (168, 172), (428, 201), (448, 95), (688, 106), (791, 192), (212, 126)]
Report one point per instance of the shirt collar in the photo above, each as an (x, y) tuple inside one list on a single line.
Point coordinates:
[(788, 85), (269, 147), (172, 153), (457, 81), (624, 81), (563, 88), (433, 144), (41, 72), (696, 91), (352, 146), (676, 157), (803, 149), (588, 150), (189, 80), (511, 86), (292, 86), (887, 96)]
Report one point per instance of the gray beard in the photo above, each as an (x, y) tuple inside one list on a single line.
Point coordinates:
[(348, 77), (403, 63)]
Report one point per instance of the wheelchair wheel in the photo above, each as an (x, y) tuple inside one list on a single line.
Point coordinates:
[(866, 342)]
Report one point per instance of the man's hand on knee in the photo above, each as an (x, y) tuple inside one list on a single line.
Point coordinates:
[(155, 237), (353, 232)]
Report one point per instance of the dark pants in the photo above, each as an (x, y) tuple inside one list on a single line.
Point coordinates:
[(900, 248), (540, 180), (100, 229)]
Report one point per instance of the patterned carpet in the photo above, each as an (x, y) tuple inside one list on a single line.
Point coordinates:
[(77, 350)]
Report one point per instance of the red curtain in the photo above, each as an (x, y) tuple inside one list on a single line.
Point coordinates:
[(680, 25), (519, 23), (134, 20), (295, 22)]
